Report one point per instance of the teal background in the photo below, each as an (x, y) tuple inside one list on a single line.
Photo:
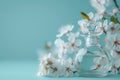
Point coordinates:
[(25, 25)]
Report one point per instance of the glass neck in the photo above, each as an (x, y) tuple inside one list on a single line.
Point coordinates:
[(91, 39)]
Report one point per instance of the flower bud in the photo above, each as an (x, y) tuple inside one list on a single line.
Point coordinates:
[(115, 10)]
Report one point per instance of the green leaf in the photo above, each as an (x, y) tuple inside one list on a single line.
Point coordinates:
[(84, 15), (114, 19)]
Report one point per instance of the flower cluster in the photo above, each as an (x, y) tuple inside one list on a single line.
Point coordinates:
[(51, 66), (62, 61), (66, 56)]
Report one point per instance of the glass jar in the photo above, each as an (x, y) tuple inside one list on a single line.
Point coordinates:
[(96, 62)]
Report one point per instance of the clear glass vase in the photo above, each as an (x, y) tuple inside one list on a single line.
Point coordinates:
[(96, 62)]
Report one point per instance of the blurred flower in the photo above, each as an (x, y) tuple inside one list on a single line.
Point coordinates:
[(115, 10), (95, 17), (73, 43), (101, 27), (48, 45), (69, 67), (80, 54), (45, 64), (83, 26), (100, 5), (101, 64), (72, 36), (73, 46), (113, 41), (61, 47), (87, 25), (113, 28), (65, 29)]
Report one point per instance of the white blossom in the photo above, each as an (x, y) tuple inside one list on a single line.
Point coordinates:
[(73, 47), (95, 17), (113, 28), (113, 41), (115, 10), (80, 54), (61, 47), (83, 26), (45, 64), (64, 29), (87, 25), (69, 67), (101, 27), (72, 36), (100, 5), (101, 64), (73, 43)]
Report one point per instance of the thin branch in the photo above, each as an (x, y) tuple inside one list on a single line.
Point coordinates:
[(115, 2), (117, 6)]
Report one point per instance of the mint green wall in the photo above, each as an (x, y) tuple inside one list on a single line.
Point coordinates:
[(25, 25)]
